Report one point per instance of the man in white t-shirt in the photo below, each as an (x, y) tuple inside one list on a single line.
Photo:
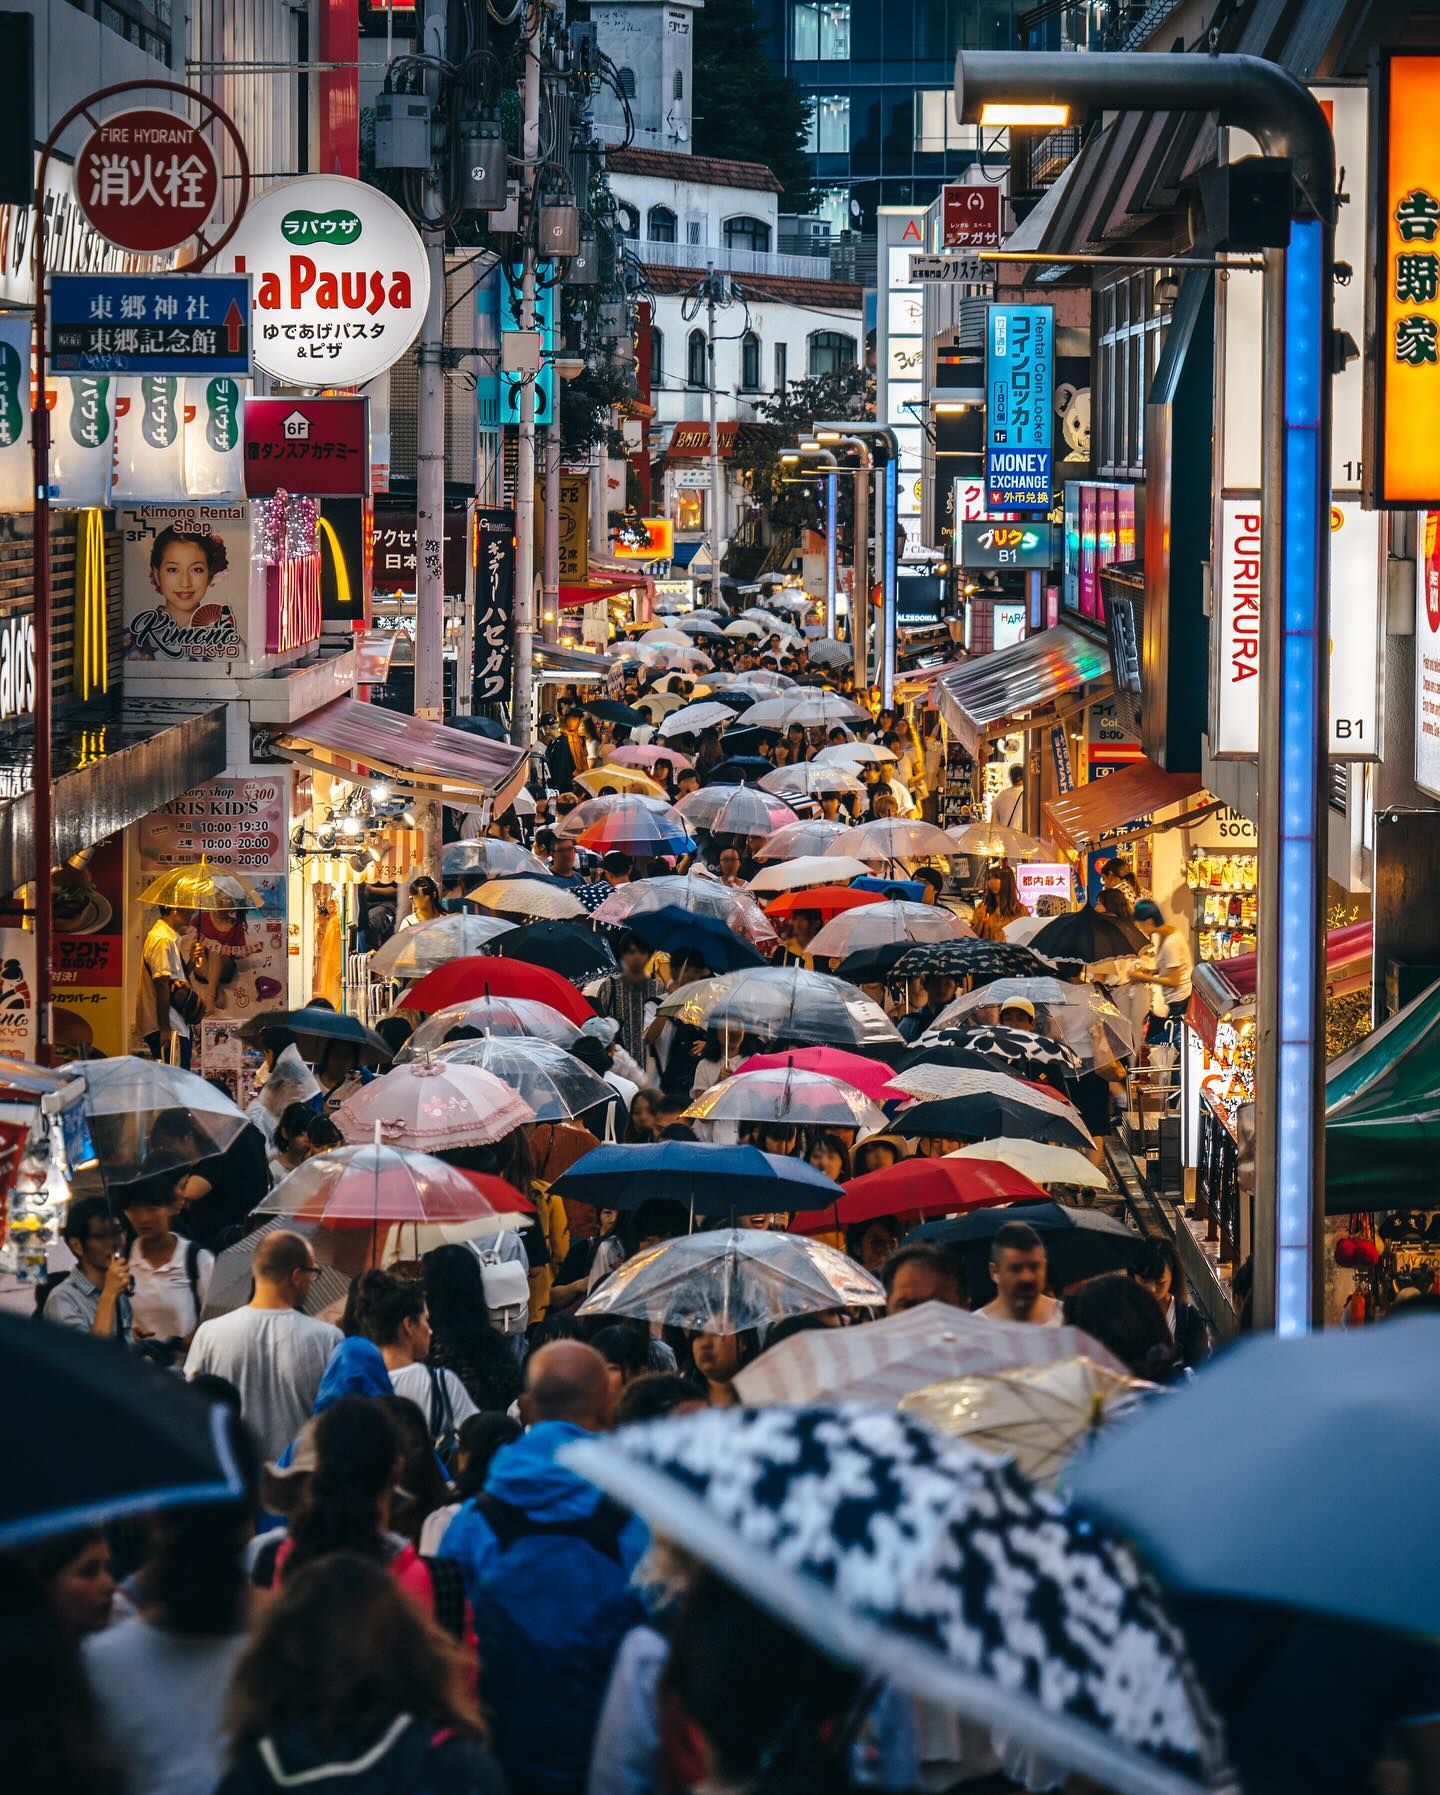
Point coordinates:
[(1018, 1266), (170, 1276), (163, 972), (1174, 963), (273, 1354)]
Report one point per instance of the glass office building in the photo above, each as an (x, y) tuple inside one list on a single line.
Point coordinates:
[(879, 74)]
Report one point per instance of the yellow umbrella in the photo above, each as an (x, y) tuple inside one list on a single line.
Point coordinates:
[(603, 782), (201, 888), (1039, 1160), (1039, 1415)]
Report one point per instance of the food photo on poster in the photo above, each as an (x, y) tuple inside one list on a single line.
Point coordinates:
[(186, 573)]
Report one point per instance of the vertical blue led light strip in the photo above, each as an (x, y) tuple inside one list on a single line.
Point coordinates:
[(887, 643), (831, 524), (1292, 885)]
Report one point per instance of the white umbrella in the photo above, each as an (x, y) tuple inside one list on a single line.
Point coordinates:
[(929, 1081), (991, 841), (882, 925), (807, 869), (1040, 1160), (693, 718), (433, 1106), (856, 754), (810, 836), (528, 897), (411, 953), (765, 679), (743, 626), (806, 706), (810, 779), (674, 638), (895, 839)]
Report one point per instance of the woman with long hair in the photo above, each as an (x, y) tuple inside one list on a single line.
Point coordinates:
[(461, 1337), (53, 1741), (74, 1570), (999, 903), (349, 1684)]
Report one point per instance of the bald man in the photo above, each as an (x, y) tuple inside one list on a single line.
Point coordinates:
[(547, 1561)]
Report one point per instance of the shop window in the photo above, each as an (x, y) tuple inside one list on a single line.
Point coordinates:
[(747, 233), (829, 129), (749, 362), (690, 508), (831, 352), (1127, 351), (695, 372), (660, 225), (820, 31)]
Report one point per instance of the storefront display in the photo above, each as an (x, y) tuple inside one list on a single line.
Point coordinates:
[(1222, 874)]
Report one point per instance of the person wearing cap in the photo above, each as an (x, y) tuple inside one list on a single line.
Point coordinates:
[(1018, 1012)]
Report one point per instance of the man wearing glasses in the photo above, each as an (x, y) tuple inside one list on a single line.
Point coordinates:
[(94, 1299), (271, 1351)]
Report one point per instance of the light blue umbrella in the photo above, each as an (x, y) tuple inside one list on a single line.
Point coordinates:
[(1288, 1473)]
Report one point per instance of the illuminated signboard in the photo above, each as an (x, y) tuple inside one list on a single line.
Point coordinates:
[(986, 544), (1402, 468), (1019, 395), (645, 539)]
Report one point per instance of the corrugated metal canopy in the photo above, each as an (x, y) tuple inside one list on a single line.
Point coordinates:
[(986, 697), (353, 740)]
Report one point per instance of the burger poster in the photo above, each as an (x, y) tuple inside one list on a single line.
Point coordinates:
[(187, 585)]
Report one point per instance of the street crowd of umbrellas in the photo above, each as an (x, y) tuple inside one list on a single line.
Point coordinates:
[(992, 1518)]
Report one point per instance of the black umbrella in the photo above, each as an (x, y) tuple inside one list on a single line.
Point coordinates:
[(104, 1434), (488, 727), (873, 965), (747, 739), (740, 769), (736, 701), (1080, 1243), (315, 1024), (1084, 936), (573, 952), (968, 958), (610, 710), (987, 1116)]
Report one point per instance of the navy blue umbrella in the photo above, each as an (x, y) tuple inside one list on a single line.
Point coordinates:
[(740, 769), (710, 1178), (610, 710), (671, 930)]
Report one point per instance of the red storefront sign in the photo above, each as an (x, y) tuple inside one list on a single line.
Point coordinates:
[(146, 180), (970, 218), (292, 603), (319, 448), (691, 442)]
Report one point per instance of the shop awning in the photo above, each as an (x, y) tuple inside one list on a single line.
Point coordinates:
[(1024, 685), (608, 585), (352, 740), (1221, 987), (1081, 818), (1382, 1115), (555, 657)]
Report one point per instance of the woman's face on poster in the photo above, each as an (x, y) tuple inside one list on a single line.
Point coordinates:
[(182, 579)]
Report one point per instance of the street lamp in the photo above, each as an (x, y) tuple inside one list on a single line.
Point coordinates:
[(1287, 122), (888, 535), (813, 450)]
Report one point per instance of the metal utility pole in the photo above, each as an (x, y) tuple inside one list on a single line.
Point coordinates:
[(600, 497), (1287, 122), (522, 725), (430, 469), (858, 437), (550, 602), (716, 492)]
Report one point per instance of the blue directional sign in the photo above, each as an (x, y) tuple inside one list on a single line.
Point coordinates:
[(511, 384), (1019, 392), (150, 324)]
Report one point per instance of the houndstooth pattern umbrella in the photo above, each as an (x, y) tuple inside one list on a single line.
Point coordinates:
[(980, 960), (906, 1553), (1019, 1049)]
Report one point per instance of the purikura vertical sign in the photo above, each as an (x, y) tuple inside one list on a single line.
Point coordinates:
[(1235, 682)]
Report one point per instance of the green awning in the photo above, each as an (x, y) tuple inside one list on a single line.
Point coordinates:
[(1382, 1115)]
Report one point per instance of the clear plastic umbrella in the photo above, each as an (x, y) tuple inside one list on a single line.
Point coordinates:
[(201, 887), (692, 718), (810, 779), (784, 1003), (379, 1187), (656, 704), (809, 707), (893, 840), (556, 1085), (649, 755), (674, 638), (606, 781), (766, 679), (699, 626), (883, 925), (743, 626), (124, 1097), (528, 897), (595, 810), (488, 857), (810, 836), (411, 953), (507, 1016), (735, 810), (786, 1095), (688, 891), (733, 1280), (433, 1106), (991, 841), (828, 653), (806, 869), (1079, 1015), (934, 1083)]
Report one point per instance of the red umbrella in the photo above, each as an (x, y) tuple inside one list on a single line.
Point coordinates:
[(829, 900), (480, 976), (925, 1187), (870, 1076), (501, 1195)]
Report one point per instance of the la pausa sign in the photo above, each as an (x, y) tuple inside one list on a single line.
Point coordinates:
[(340, 280), (17, 665)]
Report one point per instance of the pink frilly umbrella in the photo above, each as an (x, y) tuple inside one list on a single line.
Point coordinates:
[(433, 1105)]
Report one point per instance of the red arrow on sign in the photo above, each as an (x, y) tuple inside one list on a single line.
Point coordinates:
[(234, 324)]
